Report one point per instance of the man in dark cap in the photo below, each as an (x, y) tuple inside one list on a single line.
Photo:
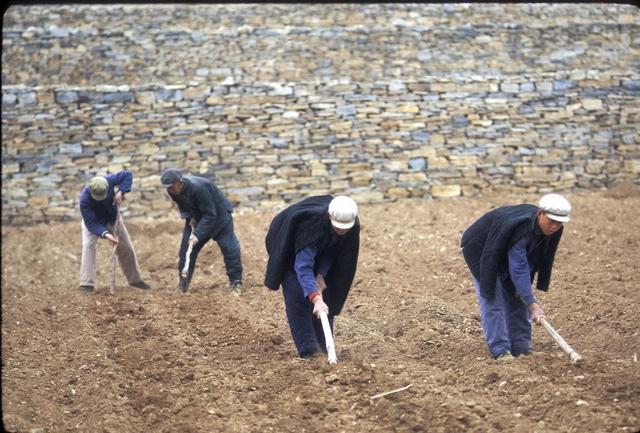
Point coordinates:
[(313, 252), (504, 250), (99, 208), (207, 215)]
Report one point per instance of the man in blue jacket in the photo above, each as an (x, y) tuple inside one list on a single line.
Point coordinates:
[(207, 215), (313, 252), (504, 250), (99, 209)]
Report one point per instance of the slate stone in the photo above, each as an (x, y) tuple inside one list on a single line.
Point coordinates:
[(564, 84), (169, 95), (119, 97), (424, 55), (422, 137), (9, 99), (346, 110), (27, 98), (279, 143), (418, 164), (460, 122), (527, 87), (633, 85), (72, 148), (66, 97)]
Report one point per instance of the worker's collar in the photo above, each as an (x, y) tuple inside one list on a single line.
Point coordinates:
[(537, 231)]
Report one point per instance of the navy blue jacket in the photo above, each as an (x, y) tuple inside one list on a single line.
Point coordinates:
[(97, 214), (202, 200), (304, 224), (486, 242)]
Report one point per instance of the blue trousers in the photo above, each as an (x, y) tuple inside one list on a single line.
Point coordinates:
[(505, 321), (229, 246), (306, 329)]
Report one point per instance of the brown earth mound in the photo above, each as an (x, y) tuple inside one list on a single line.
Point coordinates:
[(163, 361)]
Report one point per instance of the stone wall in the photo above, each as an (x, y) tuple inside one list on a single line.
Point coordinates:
[(376, 101)]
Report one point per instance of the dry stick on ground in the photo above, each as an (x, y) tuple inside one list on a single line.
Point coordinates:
[(391, 392)]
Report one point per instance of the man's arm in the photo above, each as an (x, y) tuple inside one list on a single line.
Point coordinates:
[(304, 264), (521, 278), (123, 178), (205, 202), (91, 220)]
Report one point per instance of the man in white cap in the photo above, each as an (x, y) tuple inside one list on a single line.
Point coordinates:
[(99, 209), (313, 252), (504, 250)]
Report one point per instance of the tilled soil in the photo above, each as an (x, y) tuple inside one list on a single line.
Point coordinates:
[(206, 361)]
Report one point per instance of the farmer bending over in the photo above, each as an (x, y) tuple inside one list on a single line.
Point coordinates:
[(207, 215), (313, 251), (504, 250), (99, 208)]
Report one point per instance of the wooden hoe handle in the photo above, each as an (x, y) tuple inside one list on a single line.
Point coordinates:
[(328, 338), (575, 356), (114, 256), (185, 268)]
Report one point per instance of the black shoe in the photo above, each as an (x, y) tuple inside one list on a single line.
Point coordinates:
[(141, 285), (183, 284), (87, 289), (236, 287)]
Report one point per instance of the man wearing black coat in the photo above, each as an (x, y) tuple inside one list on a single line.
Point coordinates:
[(504, 250), (313, 252), (207, 215)]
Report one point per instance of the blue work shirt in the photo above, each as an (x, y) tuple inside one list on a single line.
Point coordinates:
[(522, 263), (97, 214), (310, 262)]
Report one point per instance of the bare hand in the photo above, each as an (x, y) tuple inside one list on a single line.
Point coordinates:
[(320, 282), (117, 199), (193, 239), (536, 312), (318, 306), (112, 238)]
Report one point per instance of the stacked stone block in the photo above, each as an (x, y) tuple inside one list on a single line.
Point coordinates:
[(381, 102)]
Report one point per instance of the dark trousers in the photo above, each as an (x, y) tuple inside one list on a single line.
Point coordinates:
[(229, 246), (306, 329)]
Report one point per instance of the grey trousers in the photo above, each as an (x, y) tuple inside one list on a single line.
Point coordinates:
[(126, 255)]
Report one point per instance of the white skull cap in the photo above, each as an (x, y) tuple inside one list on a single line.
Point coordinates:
[(343, 212), (556, 207)]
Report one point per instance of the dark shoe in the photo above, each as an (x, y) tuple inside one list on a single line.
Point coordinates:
[(141, 285), (87, 289), (236, 287), (183, 285), (316, 354), (525, 352), (505, 356)]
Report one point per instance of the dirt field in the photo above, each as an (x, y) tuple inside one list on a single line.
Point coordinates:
[(205, 361)]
